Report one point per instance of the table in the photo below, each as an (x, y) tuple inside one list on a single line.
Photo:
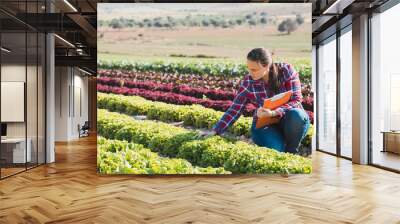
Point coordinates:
[(13, 150), (391, 141)]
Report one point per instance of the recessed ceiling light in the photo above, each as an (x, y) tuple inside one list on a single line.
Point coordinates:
[(5, 50)]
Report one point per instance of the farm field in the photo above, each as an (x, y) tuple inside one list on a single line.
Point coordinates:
[(140, 104), (160, 89), (219, 44)]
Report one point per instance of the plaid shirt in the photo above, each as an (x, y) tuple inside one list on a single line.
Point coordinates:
[(255, 91)]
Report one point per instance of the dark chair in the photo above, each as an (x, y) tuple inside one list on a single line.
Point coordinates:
[(84, 130)]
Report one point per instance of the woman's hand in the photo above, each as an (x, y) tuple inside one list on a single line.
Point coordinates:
[(208, 134), (263, 112)]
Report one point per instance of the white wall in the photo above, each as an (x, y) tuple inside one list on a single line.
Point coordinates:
[(12, 73), (17, 73), (71, 94), (33, 127), (62, 81), (80, 100)]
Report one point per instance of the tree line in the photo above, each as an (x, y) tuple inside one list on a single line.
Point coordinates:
[(252, 19)]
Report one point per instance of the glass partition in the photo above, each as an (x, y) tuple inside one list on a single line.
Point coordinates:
[(385, 89), (14, 153), (327, 95), (346, 93), (22, 77)]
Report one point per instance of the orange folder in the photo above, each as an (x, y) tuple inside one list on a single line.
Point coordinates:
[(273, 103)]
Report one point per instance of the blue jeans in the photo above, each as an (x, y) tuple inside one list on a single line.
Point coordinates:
[(284, 136)]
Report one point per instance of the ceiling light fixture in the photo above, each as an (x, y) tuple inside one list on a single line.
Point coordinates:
[(86, 72), (70, 5), (331, 7), (64, 40), (5, 50), (337, 7), (79, 51)]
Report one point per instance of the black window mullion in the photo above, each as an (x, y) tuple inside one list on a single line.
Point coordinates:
[(37, 90), (0, 94), (26, 86), (338, 93), (45, 87), (369, 96), (317, 98)]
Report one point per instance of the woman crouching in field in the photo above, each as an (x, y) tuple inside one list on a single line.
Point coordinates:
[(288, 123)]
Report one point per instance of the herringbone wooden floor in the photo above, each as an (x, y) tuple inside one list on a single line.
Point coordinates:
[(70, 191)]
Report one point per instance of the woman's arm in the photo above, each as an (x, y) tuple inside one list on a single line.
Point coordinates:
[(234, 111), (292, 82)]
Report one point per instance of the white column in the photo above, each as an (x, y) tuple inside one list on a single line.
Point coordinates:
[(360, 90), (50, 100), (50, 91)]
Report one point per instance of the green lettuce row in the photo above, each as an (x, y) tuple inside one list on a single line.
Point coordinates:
[(171, 141), (241, 157), (200, 68), (192, 115), (121, 157)]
